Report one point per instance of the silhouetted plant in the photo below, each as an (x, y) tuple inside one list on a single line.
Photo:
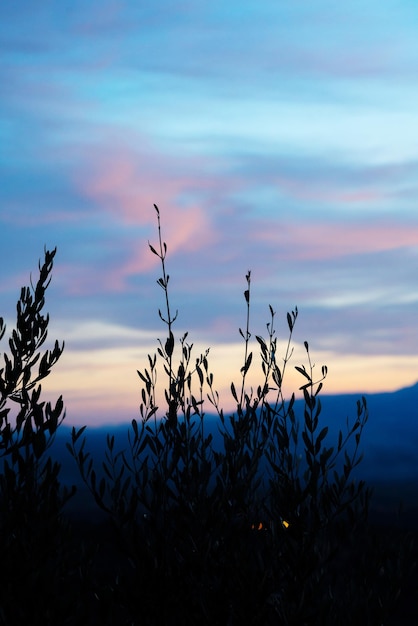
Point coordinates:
[(262, 525), (37, 565), (253, 531)]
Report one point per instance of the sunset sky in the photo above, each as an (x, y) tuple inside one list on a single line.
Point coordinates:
[(276, 137)]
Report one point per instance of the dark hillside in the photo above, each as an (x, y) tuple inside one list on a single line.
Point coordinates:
[(389, 443)]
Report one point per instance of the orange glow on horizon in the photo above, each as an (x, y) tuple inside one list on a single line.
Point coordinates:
[(102, 386)]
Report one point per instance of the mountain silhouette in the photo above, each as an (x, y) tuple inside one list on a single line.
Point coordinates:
[(389, 443)]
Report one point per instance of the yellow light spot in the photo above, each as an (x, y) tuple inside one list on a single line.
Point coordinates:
[(285, 523)]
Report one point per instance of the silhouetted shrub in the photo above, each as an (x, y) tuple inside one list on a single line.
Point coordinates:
[(263, 524), (39, 563), (268, 528)]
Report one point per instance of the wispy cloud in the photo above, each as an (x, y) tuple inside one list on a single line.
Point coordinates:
[(313, 240), (294, 156)]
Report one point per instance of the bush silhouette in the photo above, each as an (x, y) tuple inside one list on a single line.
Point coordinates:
[(269, 527), (264, 523), (30, 497), (38, 557)]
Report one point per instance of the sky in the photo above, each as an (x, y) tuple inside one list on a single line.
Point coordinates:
[(276, 137)]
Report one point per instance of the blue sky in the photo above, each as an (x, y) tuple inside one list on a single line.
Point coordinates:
[(279, 137)]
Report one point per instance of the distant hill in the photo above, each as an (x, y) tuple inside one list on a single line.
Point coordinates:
[(389, 443), (390, 446), (390, 438)]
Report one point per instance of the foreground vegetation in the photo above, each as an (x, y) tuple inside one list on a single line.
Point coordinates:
[(270, 527)]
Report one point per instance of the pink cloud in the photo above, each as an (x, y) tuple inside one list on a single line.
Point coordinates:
[(327, 193), (181, 229), (324, 240), (125, 185)]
